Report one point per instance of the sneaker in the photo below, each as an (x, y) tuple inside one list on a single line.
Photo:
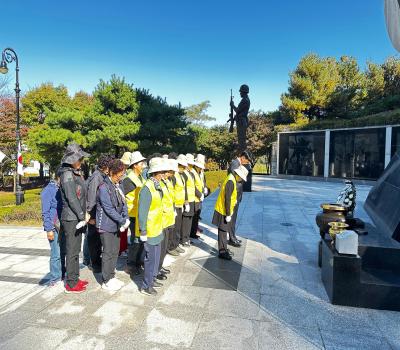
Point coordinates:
[(224, 255), (76, 290), (117, 281), (186, 244), (173, 252), (161, 277), (165, 271), (111, 286), (157, 284), (54, 283), (148, 291), (234, 243), (83, 282), (180, 250), (124, 254)]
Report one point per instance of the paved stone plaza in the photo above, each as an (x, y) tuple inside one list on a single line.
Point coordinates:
[(269, 297)]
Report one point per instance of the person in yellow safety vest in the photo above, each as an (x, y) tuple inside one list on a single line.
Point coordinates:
[(169, 213), (151, 224), (190, 197), (224, 207), (202, 160), (132, 184), (197, 170), (180, 200)]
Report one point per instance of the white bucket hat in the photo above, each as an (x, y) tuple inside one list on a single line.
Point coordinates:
[(126, 158), (173, 165), (136, 157), (190, 159), (242, 172), (182, 160), (157, 164), (200, 161)]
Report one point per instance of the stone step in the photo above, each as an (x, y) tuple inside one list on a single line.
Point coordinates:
[(381, 277)]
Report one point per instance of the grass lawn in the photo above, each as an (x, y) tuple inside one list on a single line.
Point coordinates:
[(214, 179), (27, 214)]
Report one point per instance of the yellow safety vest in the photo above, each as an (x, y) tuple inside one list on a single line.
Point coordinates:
[(168, 204), (190, 187), (220, 204), (132, 200), (179, 191), (154, 226), (198, 183)]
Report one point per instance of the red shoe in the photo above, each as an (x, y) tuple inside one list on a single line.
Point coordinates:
[(83, 282), (76, 290)]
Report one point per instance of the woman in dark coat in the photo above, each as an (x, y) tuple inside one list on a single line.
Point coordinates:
[(111, 220)]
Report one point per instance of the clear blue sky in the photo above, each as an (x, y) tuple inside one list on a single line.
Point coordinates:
[(188, 51)]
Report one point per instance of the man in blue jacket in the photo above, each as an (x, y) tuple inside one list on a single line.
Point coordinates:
[(51, 211)]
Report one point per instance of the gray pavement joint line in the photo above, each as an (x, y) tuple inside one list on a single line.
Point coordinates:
[(3, 307), (25, 251)]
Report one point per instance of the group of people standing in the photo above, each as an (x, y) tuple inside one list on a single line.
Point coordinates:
[(158, 200)]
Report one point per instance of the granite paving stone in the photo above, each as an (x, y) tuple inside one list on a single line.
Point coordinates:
[(269, 297)]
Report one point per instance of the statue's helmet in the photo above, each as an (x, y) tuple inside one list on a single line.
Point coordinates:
[(244, 88)]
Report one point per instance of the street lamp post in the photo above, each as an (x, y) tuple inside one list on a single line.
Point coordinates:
[(8, 56)]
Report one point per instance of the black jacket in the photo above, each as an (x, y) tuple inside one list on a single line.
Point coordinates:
[(93, 183), (73, 194)]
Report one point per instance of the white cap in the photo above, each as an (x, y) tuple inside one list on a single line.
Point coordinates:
[(242, 172), (126, 158), (200, 161), (182, 160), (190, 159), (136, 157), (157, 164)]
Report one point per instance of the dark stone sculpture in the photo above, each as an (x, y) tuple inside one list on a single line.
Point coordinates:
[(241, 117)]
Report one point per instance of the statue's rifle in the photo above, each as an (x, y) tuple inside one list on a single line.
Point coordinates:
[(231, 117)]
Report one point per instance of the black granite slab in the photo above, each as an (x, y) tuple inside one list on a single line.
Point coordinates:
[(382, 203), (369, 280)]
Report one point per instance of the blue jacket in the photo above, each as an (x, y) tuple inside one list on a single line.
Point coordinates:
[(111, 209), (51, 206)]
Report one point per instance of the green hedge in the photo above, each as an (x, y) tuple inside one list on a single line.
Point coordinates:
[(379, 119)]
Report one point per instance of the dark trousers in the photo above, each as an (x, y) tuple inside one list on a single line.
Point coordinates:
[(135, 250), (163, 249), (195, 223), (222, 240), (186, 228), (110, 243), (232, 231), (168, 233), (151, 264), (94, 243), (241, 128), (73, 240), (175, 237)]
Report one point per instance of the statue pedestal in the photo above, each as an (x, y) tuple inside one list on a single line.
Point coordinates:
[(247, 185)]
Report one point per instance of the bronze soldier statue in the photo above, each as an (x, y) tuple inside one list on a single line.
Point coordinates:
[(241, 118)]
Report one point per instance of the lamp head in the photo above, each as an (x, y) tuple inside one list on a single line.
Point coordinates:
[(3, 67)]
